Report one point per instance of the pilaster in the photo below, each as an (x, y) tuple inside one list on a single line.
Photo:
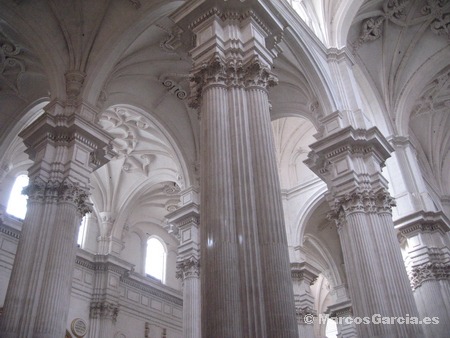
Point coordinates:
[(350, 161), (104, 307), (186, 219), (303, 276), (426, 248)]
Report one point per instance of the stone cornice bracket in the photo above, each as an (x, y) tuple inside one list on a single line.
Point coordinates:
[(422, 222), (304, 272), (91, 145), (74, 84), (333, 158), (341, 310), (188, 268)]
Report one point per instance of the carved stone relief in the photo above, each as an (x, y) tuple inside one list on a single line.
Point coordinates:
[(435, 13)]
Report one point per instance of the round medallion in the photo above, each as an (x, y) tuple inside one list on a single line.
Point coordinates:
[(79, 327)]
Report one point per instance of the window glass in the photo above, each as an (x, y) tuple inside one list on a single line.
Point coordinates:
[(155, 260), (17, 203)]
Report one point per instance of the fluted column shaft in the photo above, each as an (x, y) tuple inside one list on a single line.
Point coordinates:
[(350, 162), (426, 248), (65, 149), (219, 250), (270, 228), (245, 272)]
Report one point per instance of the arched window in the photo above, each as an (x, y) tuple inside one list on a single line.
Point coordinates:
[(155, 261), (17, 203)]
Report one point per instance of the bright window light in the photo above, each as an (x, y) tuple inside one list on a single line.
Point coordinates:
[(82, 232), (155, 260), (17, 204)]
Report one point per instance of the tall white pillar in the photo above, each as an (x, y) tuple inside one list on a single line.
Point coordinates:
[(350, 161), (186, 220), (245, 272), (66, 147), (427, 258)]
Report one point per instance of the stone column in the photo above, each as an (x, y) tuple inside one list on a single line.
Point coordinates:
[(350, 161), (303, 276), (427, 258), (186, 220), (66, 147), (246, 286)]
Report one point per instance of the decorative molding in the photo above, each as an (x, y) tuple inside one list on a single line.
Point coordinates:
[(230, 73), (365, 201), (127, 280), (436, 13), (428, 271), (304, 271), (104, 310), (188, 268), (11, 65), (127, 127), (8, 231), (175, 89), (302, 312), (54, 191), (435, 96)]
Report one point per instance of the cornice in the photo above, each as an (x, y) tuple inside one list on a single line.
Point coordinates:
[(422, 221)]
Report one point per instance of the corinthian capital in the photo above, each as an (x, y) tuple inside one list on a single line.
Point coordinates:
[(189, 267), (231, 72)]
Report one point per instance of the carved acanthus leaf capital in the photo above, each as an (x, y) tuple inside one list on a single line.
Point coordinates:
[(187, 268), (55, 191), (364, 201), (103, 310), (229, 73), (428, 271)]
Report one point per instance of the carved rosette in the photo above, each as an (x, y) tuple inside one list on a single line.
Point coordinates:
[(428, 271), (229, 73), (103, 310), (188, 268), (54, 191)]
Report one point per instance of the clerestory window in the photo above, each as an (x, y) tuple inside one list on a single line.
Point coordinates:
[(17, 203), (155, 261)]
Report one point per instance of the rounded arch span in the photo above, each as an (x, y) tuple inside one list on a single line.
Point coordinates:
[(321, 248), (30, 113), (415, 86), (305, 213), (343, 19), (110, 55), (312, 60), (132, 198)]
